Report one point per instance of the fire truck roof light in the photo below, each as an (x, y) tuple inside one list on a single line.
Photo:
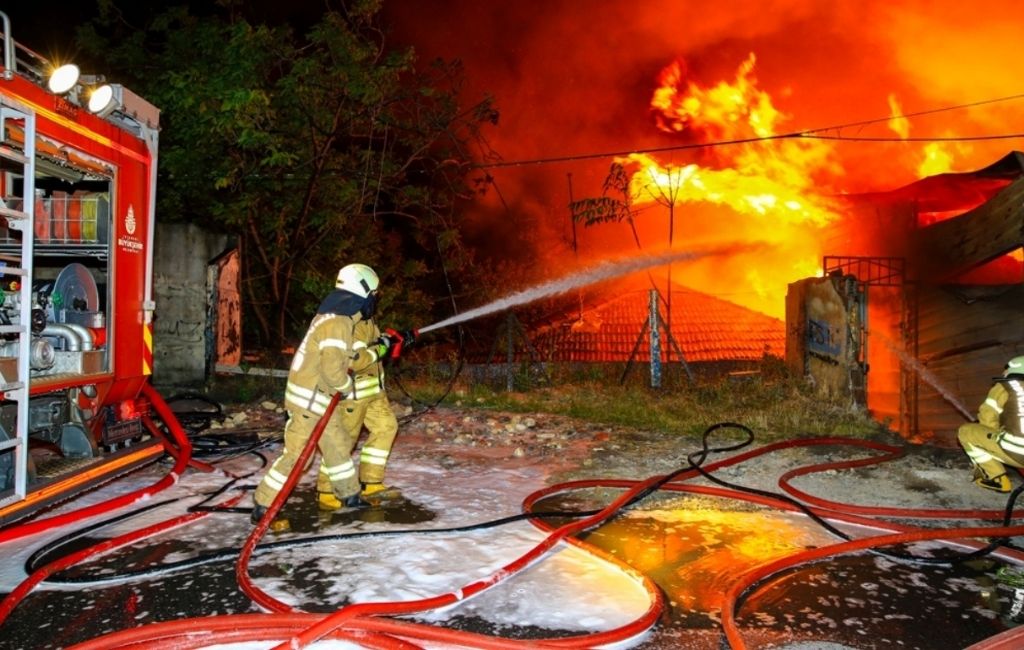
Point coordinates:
[(102, 101), (63, 78)]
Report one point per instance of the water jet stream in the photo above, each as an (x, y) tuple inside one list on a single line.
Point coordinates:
[(928, 376), (603, 271)]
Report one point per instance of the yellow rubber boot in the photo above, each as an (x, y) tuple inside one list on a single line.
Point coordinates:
[(277, 525), (999, 483), (376, 493), (327, 502)]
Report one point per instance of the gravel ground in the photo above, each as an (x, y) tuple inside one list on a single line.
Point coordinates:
[(924, 477)]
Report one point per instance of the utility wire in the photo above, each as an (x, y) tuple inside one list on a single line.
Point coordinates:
[(609, 154), (815, 133), (950, 138), (930, 111)]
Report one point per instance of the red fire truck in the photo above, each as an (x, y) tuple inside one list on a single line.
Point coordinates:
[(77, 178)]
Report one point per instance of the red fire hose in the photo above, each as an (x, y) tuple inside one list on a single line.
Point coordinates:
[(181, 453), (746, 580), (1012, 639), (823, 508), (362, 622), (261, 598), (302, 627), (12, 599), (343, 617), (200, 632), (633, 629), (257, 595), (180, 450)]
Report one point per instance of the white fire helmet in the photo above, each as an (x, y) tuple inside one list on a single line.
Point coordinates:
[(1014, 366), (358, 279)]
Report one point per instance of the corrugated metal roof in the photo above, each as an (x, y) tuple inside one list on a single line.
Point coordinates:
[(706, 329)]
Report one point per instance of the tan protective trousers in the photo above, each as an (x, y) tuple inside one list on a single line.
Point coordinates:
[(337, 471), (376, 415), (982, 446)]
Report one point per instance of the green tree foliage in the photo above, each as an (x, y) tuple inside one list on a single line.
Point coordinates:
[(316, 150)]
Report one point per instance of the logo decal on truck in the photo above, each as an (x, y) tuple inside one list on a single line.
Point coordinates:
[(129, 221), (129, 242)]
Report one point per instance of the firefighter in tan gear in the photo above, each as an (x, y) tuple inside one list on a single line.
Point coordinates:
[(341, 353), (997, 438), (366, 405)]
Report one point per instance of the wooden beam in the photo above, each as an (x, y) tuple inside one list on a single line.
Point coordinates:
[(956, 245)]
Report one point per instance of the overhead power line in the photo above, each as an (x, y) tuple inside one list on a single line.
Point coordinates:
[(931, 111), (810, 134), (949, 138)]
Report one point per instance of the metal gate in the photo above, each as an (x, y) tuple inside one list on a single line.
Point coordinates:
[(888, 272)]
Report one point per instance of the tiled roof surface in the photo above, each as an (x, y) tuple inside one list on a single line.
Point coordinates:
[(707, 329)]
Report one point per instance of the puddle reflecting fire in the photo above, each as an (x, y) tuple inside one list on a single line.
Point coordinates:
[(695, 552)]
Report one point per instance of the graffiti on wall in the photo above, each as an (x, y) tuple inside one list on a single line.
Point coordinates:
[(823, 340)]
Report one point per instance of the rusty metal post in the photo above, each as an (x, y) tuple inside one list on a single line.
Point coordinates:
[(510, 361), (654, 320)]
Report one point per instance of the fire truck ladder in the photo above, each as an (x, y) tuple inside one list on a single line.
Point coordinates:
[(17, 388)]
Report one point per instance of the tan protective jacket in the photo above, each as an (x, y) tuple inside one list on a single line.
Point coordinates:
[(335, 356), (367, 368), (1001, 411)]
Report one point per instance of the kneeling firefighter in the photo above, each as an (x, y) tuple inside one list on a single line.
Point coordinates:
[(997, 438), (342, 352)]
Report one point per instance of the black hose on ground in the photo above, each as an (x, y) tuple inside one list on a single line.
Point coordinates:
[(196, 421), (41, 555)]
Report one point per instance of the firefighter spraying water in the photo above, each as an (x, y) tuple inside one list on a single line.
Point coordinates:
[(342, 359), (996, 439)]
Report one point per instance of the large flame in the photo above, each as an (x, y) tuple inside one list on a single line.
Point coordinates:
[(742, 189), (777, 187), (748, 179), (723, 111)]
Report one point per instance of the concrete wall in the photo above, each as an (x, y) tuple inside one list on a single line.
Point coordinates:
[(181, 322)]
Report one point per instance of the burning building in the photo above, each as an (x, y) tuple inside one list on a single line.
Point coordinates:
[(919, 313)]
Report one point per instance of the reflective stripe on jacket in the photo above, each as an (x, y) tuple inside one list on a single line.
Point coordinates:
[(1009, 396), (337, 355), (320, 367), (367, 367)]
